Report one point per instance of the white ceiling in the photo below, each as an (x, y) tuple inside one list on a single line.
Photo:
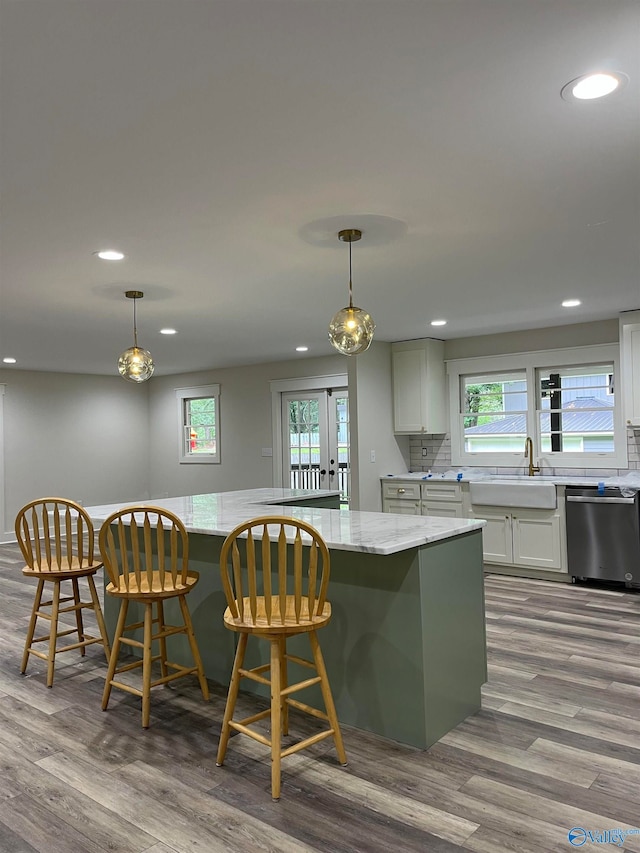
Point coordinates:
[(222, 145)]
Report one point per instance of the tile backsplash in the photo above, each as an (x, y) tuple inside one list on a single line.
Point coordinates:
[(433, 453)]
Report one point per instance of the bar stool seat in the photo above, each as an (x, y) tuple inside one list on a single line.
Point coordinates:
[(56, 538), (285, 585), (147, 560)]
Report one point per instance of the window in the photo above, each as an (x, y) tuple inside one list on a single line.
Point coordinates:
[(575, 409), (198, 414), (563, 399), (494, 412)]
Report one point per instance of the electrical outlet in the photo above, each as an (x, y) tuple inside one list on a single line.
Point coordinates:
[(424, 453)]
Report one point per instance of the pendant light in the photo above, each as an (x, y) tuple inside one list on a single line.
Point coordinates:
[(351, 329), (135, 363)]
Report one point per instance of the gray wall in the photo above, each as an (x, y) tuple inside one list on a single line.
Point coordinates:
[(83, 437), (534, 340), (245, 426)]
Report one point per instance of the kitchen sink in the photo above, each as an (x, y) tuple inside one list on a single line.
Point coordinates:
[(517, 492)]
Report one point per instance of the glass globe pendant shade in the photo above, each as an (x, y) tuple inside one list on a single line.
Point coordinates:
[(136, 364), (351, 330)]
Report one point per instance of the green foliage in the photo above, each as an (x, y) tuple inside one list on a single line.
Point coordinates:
[(485, 397), (303, 416)]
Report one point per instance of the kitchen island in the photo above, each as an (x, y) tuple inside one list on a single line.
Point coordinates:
[(405, 648)]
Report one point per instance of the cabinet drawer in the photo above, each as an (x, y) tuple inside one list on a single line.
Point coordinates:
[(401, 507), (442, 509), (442, 492), (401, 491)]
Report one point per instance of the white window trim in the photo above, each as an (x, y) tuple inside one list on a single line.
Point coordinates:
[(279, 387), (530, 361), (192, 393)]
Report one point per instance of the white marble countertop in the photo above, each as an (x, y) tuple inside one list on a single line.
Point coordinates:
[(368, 532), (556, 479)]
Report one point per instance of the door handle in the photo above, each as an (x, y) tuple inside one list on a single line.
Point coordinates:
[(323, 471), (331, 473)]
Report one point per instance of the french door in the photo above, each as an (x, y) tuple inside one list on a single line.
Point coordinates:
[(315, 440)]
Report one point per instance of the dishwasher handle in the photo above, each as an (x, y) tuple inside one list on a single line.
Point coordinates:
[(579, 499)]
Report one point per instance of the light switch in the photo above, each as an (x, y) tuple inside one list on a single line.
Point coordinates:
[(373, 456), (267, 451)]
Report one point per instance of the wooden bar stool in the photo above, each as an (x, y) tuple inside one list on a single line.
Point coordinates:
[(56, 538), (147, 560), (266, 601)]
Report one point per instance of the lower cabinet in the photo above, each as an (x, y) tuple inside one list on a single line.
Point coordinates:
[(528, 538), (517, 539), (419, 498), (402, 507)]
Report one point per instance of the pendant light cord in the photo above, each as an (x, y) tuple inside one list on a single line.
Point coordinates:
[(135, 330), (350, 281)]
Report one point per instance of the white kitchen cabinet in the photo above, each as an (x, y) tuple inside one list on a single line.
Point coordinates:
[(630, 366), (536, 539), (497, 540), (419, 387), (423, 498), (444, 509), (443, 499), (529, 538), (402, 507), (401, 496)]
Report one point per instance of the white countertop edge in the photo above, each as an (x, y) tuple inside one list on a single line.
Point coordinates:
[(553, 479), (217, 514)]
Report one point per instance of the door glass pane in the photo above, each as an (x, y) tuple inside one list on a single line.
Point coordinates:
[(342, 443), (304, 444)]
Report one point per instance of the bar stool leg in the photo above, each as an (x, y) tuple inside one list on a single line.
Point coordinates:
[(53, 633), (99, 617), (162, 639), (234, 687), (115, 651), (283, 685), (204, 687), (32, 625), (327, 696), (78, 612), (276, 722), (146, 664)]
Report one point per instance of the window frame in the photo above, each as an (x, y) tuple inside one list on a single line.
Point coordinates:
[(532, 363), (198, 392)]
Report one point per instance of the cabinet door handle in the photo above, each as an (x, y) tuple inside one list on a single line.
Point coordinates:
[(401, 491)]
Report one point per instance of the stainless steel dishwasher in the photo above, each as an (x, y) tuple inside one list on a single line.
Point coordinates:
[(603, 534)]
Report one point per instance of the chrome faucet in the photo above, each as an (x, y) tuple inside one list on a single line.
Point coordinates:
[(528, 451)]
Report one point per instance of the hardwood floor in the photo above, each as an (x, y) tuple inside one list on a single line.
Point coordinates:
[(556, 745)]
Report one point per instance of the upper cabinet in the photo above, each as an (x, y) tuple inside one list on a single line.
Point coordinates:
[(630, 366), (419, 387)]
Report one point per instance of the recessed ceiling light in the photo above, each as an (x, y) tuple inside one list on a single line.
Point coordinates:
[(589, 87), (9, 360), (302, 349), (109, 255), (571, 303), (438, 322), (168, 331)]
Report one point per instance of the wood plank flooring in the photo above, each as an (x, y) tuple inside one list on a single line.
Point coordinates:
[(556, 745)]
